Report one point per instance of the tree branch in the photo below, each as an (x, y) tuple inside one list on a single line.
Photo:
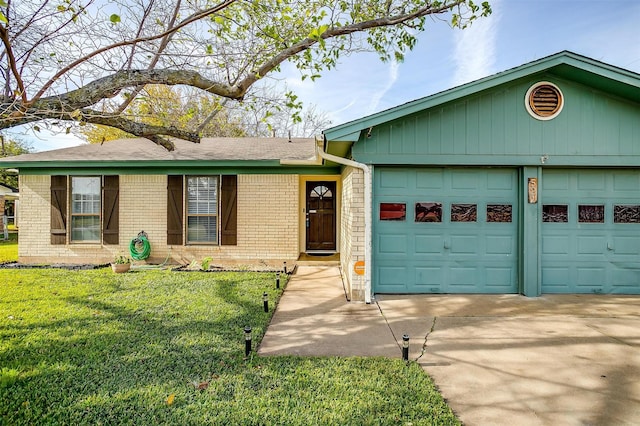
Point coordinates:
[(305, 44), (193, 18), (4, 35)]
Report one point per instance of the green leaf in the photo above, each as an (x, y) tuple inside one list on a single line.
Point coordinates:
[(114, 18), (3, 18)]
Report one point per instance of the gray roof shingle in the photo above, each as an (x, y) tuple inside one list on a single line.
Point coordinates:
[(209, 149)]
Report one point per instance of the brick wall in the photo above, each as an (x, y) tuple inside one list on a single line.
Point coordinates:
[(352, 230), (268, 230)]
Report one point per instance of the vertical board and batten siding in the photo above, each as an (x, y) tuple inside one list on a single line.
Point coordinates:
[(494, 128)]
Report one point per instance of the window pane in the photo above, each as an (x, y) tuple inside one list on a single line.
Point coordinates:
[(464, 213), (202, 229), (393, 211), (590, 214), (626, 214), (202, 200), (85, 228), (202, 195), (85, 195), (499, 213), (555, 213), (428, 212)]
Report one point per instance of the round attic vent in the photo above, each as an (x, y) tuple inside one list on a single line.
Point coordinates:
[(544, 100)]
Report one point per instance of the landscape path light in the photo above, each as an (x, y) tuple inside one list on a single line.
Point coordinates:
[(405, 347), (247, 341)]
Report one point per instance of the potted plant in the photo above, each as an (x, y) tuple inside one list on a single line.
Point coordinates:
[(121, 264)]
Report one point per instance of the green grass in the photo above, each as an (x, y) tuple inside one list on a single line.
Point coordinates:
[(9, 249), (92, 347)]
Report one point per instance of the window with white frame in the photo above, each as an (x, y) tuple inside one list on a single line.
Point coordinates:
[(202, 209), (85, 208)]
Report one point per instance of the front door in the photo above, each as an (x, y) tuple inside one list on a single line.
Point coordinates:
[(321, 215)]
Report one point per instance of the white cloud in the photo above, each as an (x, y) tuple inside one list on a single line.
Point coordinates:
[(377, 96), (475, 48)]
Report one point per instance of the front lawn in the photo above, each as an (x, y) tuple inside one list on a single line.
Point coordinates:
[(160, 347), (9, 248)]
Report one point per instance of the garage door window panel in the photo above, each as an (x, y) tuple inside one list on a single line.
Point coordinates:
[(626, 214), (393, 211), (499, 213), (590, 213), (557, 213), (428, 212), (464, 213)]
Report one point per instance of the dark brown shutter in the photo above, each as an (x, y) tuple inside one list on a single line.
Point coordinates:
[(110, 210), (174, 210), (229, 209), (58, 209)]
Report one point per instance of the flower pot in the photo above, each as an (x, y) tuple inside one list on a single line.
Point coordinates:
[(120, 268)]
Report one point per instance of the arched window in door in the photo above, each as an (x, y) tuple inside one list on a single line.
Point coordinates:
[(321, 192)]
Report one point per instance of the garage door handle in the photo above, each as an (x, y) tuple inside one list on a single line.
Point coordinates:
[(609, 246), (446, 245)]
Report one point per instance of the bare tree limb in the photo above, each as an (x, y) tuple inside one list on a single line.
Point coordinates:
[(192, 18)]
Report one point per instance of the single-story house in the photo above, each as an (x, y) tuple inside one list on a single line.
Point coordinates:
[(527, 181)]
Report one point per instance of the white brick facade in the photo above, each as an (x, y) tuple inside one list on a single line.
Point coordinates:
[(352, 230)]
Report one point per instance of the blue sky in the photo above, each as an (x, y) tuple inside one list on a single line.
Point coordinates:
[(518, 31)]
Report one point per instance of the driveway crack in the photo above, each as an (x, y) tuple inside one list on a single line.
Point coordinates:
[(426, 339)]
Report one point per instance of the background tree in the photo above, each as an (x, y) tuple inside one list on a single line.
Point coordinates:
[(63, 59), (9, 147)]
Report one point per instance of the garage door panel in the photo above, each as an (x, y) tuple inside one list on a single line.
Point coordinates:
[(464, 244), (626, 277), (464, 180), (556, 244), (430, 179), (591, 277), (392, 244), (428, 244), (500, 278), (431, 277), (595, 244), (500, 245), (601, 257), (556, 277), (462, 276), (393, 179), (442, 255), (393, 278), (626, 246)]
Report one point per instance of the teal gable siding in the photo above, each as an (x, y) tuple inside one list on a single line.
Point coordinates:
[(494, 128)]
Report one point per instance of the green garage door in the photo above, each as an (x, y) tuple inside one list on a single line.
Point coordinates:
[(445, 230), (590, 231)]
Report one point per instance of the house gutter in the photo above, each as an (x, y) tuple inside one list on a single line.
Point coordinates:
[(367, 211)]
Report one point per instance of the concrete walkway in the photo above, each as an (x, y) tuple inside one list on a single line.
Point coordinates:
[(504, 359)]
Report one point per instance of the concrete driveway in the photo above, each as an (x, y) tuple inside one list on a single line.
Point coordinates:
[(498, 360), (553, 360)]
